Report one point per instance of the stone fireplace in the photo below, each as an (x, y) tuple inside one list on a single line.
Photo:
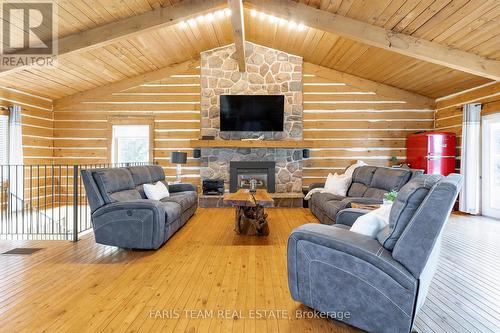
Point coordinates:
[(268, 72), (286, 163), (241, 173)]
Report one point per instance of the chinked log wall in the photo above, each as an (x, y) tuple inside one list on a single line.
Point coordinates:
[(344, 122), (449, 110), (350, 119), (82, 130)]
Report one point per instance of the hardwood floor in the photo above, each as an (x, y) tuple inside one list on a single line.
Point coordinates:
[(86, 287), (464, 295)]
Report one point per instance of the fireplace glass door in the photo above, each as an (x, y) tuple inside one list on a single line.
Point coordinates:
[(244, 178)]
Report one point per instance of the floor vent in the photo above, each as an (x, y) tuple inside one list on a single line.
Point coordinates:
[(23, 250)]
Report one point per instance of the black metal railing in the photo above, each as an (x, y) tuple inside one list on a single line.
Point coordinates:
[(45, 201)]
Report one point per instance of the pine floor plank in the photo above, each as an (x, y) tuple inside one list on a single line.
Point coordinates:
[(87, 287)]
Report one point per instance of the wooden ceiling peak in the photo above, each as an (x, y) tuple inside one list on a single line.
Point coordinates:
[(160, 17), (382, 38)]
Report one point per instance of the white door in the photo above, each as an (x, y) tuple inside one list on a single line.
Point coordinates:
[(491, 166)]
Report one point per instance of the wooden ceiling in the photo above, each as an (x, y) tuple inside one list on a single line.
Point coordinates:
[(469, 25)]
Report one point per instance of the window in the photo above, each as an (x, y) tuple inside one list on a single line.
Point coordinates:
[(491, 166), (130, 143), (4, 140)]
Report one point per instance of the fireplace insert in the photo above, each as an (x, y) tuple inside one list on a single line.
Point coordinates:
[(241, 173)]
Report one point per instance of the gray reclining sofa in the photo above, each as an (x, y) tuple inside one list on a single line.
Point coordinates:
[(369, 184), (122, 215), (383, 282)]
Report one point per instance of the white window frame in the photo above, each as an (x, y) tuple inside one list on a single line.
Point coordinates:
[(130, 120)]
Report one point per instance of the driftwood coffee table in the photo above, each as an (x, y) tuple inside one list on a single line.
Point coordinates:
[(250, 216)]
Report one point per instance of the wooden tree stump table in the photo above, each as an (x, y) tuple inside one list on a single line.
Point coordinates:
[(250, 218)]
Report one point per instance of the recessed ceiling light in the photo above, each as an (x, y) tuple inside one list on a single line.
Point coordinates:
[(262, 15), (209, 17), (227, 11), (292, 24), (183, 25), (253, 13), (191, 22), (301, 27), (219, 13)]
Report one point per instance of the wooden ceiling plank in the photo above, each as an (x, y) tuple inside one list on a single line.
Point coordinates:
[(378, 88), (413, 15), (383, 38), (129, 27), (471, 23), (440, 9), (106, 90), (384, 16), (444, 19)]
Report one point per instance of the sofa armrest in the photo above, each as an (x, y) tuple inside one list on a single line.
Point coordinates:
[(362, 247), (316, 185), (181, 187), (349, 215), (137, 224)]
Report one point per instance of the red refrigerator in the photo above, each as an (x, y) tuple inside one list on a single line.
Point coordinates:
[(433, 152)]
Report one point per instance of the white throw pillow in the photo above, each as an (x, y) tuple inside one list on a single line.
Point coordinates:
[(337, 184), (371, 223), (157, 191)]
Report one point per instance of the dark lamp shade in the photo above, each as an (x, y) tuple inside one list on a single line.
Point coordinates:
[(178, 157)]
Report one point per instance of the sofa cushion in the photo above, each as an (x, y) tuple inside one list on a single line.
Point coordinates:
[(140, 175), (157, 173), (361, 180), (172, 211), (185, 199), (404, 207), (364, 175), (115, 180), (375, 193), (125, 195), (357, 190), (320, 199), (390, 179), (331, 208)]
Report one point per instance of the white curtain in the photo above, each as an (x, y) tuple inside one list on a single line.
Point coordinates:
[(16, 173), (470, 164)]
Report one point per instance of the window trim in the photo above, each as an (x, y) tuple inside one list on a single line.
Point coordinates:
[(131, 120)]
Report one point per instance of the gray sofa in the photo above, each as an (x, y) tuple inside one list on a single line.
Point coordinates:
[(369, 184), (122, 215), (383, 282)]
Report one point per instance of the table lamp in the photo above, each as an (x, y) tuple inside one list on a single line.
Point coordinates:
[(178, 158)]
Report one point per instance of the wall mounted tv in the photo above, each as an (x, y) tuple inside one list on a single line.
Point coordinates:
[(256, 113)]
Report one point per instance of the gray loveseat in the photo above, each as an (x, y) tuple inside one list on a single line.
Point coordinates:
[(369, 184), (122, 215), (381, 282)]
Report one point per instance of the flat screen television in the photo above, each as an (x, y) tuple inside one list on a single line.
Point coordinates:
[(256, 113)]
